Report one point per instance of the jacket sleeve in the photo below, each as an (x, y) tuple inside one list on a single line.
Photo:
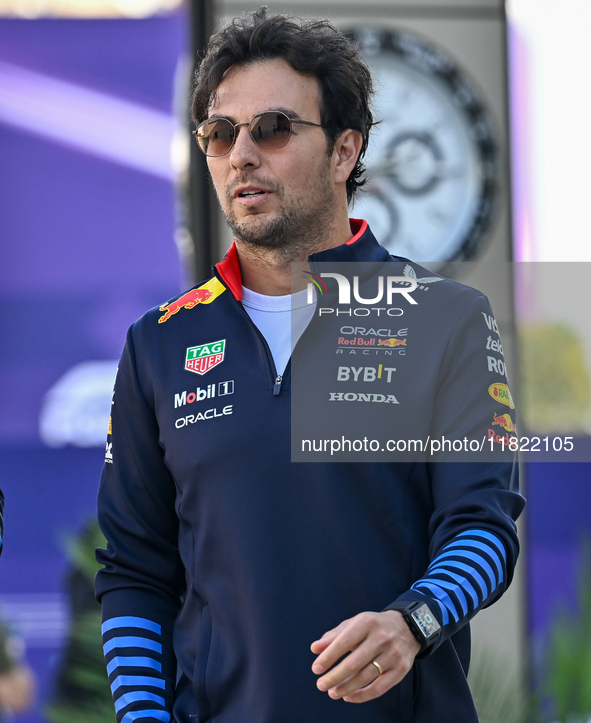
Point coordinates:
[(473, 545), (142, 581)]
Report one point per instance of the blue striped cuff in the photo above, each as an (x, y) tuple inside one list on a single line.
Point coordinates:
[(468, 570)]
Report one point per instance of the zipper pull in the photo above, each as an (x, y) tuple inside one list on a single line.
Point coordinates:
[(277, 386)]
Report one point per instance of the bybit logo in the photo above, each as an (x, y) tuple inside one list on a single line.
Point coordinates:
[(365, 374)]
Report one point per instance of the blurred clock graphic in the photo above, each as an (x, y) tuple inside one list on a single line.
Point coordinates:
[(432, 163)]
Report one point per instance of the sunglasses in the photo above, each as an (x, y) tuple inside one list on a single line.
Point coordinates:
[(270, 130)]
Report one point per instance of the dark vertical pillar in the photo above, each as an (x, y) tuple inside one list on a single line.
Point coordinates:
[(201, 204)]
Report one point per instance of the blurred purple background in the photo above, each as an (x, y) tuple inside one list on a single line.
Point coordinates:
[(87, 245)]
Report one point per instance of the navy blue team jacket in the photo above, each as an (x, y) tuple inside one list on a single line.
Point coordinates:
[(226, 560)]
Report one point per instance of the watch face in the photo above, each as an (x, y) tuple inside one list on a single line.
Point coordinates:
[(426, 621), (432, 161)]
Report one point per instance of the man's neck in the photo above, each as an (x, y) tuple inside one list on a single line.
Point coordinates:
[(268, 271)]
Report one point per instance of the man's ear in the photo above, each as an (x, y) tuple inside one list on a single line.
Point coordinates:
[(346, 151)]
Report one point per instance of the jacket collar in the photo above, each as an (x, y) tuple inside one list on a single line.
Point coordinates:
[(228, 270), (362, 246)]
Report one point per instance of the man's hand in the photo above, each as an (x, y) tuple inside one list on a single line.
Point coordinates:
[(383, 637)]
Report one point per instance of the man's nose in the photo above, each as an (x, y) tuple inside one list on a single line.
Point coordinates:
[(245, 152)]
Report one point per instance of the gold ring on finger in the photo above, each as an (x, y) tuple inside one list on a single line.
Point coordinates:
[(378, 666)]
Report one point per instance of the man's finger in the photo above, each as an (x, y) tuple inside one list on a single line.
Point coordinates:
[(347, 640), (378, 687), (381, 683), (322, 643), (318, 646), (367, 675), (349, 666)]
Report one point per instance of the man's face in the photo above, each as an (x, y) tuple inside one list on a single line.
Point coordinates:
[(298, 197)]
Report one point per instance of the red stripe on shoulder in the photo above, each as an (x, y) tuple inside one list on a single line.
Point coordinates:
[(358, 228), (229, 269)]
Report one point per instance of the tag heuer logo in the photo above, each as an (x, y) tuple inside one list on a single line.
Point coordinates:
[(202, 358)]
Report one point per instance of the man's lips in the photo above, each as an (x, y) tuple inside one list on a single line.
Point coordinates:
[(249, 191), (251, 195)]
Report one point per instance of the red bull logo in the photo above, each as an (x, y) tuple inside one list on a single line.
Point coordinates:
[(356, 341), (391, 342), (205, 294), (504, 441), (505, 421)]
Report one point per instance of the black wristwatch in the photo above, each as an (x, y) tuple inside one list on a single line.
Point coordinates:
[(421, 621)]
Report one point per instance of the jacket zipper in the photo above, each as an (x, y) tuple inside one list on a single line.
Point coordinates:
[(278, 377)]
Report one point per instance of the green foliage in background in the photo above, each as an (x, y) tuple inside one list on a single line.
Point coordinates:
[(83, 693), (555, 389), (563, 694), (498, 697), (568, 664), (80, 550)]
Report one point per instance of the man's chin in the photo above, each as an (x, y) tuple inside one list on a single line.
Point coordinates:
[(261, 230)]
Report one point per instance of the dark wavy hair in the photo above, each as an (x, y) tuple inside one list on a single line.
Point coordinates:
[(311, 47)]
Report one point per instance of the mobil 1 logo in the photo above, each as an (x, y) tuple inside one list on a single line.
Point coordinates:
[(221, 389)]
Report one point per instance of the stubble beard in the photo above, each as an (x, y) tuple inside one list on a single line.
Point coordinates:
[(294, 232)]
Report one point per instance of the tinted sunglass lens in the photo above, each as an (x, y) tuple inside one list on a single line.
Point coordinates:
[(271, 130), (215, 137)]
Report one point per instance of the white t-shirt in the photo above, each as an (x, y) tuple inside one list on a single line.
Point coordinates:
[(280, 319)]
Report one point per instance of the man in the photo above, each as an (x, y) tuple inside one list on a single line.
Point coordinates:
[(225, 558)]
